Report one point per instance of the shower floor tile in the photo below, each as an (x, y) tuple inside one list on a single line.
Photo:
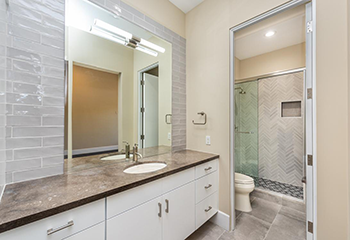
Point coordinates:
[(279, 187)]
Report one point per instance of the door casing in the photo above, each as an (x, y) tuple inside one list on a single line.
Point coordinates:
[(310, 108)]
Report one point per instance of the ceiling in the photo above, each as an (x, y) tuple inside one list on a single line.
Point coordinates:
[(289, 30), (186, 5)]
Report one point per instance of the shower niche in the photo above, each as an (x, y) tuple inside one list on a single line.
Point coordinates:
[(291, 109)]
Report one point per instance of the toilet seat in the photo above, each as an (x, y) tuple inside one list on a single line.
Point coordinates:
[(243, 179)]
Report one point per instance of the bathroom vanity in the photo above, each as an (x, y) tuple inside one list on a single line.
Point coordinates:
[(168, 204)]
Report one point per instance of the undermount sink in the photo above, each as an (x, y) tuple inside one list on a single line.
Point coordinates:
[(145, 168), (115, 157)]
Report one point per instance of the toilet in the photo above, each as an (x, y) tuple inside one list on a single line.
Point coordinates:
[(244, 185)]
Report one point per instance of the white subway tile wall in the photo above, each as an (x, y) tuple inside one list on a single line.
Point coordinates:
[(3, 88), (34, 92), (32, 85)]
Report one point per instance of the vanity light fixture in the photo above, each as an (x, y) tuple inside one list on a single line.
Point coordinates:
[(120, 36), (106, 35), (110, 28), (151, 45), (146, 50), (270, 33)]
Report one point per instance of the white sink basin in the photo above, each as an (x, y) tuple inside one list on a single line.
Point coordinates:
[(145, 168), (115, 157)]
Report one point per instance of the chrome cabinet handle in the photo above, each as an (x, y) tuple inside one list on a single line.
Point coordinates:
[(160, 210), (52, 231), (207, 187), (207, 169), (208, 209), (167, 206)]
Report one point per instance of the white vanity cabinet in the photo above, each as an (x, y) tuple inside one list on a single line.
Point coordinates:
[(168, 213), (179, 212), (170, 208), (141, 222)]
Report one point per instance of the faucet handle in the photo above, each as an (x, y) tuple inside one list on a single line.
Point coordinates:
[(126, 142)]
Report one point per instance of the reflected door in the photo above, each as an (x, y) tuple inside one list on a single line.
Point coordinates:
[(150, 111)]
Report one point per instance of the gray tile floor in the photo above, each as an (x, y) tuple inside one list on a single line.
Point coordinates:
[(267, 221)]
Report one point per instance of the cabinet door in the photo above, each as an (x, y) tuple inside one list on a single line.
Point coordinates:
[(179, 212), (96, 232), (142, 222)]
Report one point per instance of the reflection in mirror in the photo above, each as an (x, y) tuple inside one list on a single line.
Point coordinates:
[(118, 85)]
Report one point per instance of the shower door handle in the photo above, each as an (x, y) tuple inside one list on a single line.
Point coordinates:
[(244, 132)]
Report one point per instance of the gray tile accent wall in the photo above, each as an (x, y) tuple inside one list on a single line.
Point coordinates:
[(179, 65), (281, 139), (3, 41), (32, 85), (34, 88)]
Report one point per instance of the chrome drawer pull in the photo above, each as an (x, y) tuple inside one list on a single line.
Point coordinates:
[(207, 169), (52, 231), (160, 210), (207, 210), (167, 206), (207, 187)]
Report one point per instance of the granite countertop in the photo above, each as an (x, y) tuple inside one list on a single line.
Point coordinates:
[(30, 201)]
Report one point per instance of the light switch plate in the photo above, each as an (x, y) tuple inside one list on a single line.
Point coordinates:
[(169, 136), (207, 140)]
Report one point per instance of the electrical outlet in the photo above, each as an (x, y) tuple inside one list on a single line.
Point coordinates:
[(207, 140), (169, 136)]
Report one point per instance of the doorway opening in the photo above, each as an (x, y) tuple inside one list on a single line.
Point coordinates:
[(271, 115), (149, 106)]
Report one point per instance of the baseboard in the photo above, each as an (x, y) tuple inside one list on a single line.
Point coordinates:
[(93, 150), (221, 219)]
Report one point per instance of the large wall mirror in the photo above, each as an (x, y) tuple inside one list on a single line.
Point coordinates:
[(119, 84)]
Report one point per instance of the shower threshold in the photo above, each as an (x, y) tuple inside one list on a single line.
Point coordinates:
[(283, 188)]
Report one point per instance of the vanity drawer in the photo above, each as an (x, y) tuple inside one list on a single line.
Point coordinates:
[(206, 209), (178, 179), (96, 232), (83, 217), (206, 168), (206, 186)]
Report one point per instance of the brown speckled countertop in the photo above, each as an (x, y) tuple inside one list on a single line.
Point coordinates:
[(30, 201)]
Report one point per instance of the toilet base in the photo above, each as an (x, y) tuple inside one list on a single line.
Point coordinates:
[(242, 202)]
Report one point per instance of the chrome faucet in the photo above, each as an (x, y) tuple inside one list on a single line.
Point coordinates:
[(135, 153)]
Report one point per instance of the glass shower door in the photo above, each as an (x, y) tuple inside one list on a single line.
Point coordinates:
[(246, 129)]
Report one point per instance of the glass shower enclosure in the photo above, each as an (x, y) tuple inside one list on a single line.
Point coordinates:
[(246, 129)]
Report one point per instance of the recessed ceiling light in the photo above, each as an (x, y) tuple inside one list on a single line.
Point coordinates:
[(270, 33)]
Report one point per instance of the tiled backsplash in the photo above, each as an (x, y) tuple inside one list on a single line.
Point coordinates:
[(32, 85)]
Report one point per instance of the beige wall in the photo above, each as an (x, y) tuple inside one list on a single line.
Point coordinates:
[(95, 108), (208, 67), (280, 60), (162, 11), (332, 119)]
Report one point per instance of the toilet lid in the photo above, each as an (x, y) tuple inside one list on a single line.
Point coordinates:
[(243, 179)]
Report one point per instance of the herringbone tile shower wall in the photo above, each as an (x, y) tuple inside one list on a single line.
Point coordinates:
[(280, 138)]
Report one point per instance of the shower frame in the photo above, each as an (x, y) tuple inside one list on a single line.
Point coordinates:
[(310, 109)]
